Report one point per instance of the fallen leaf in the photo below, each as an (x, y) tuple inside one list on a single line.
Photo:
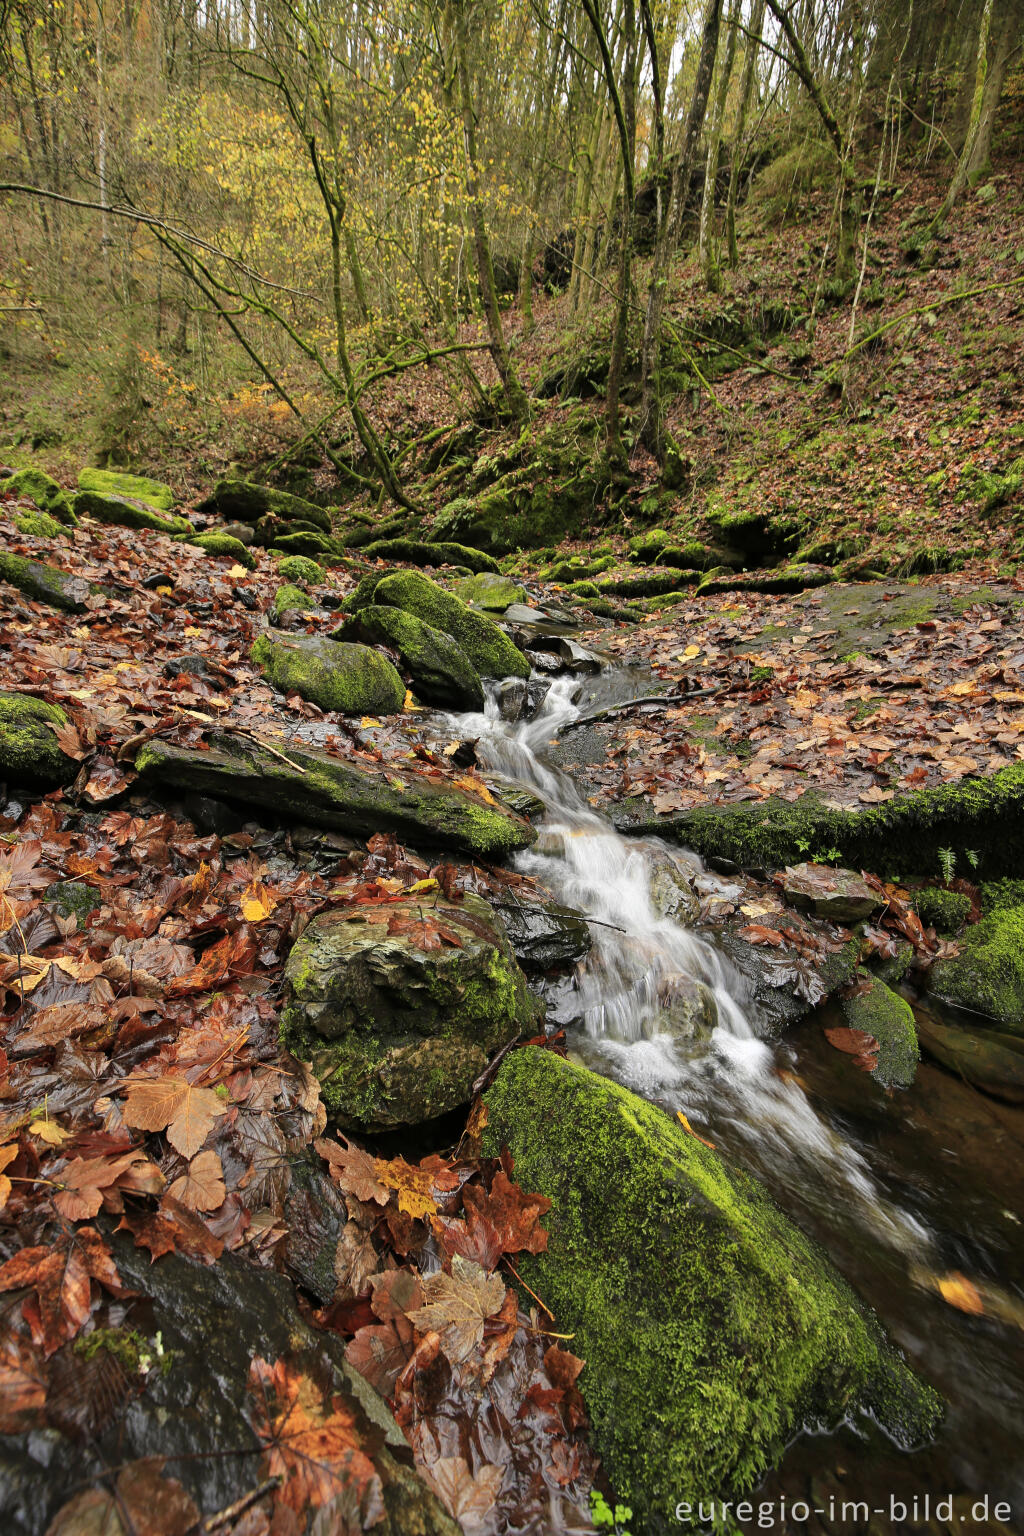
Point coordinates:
[(173, 1104), (201, 1187), (457, 1306)]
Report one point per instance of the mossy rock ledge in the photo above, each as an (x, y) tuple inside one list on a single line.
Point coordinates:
[(419, 552), (872, 1006), (440, 672), (248, 502), (711, 1327), (352, 679), (45, 583), (29, 753), (127, 512), (985, 815), (39, 487), (115, 482), (324, 791), (397, 1033), (484, 645)]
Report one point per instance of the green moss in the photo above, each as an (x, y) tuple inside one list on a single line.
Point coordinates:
[(983, 815), (440, 671), (311, 544), (789, 578), (45, 583), (248, 502), (352, 679), (73, 898), (29, 753), (584, 589), (998, 894), (126, 513), (225, 547), (711, 1327), (890, 1019), (490, 651), (293, 598), (38, 525), (418, 552), (297, 568), (491, 593), (38, 486), (111, 482), (362, 597), (945, 911), (645, 548), (987, 977), (656, 584)]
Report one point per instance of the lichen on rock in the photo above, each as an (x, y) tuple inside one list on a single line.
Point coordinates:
[(352, 679)]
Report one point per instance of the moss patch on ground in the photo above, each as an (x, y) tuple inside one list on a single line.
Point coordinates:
[(712, 1328)]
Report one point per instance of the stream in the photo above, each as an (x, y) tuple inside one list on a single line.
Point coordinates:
[(901, 1189)]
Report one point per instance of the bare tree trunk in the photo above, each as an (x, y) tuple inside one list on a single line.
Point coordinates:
[(705, 238), (746, 90)]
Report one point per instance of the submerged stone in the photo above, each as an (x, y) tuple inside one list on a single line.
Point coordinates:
[(686, 1010), (987, 1059), (440, 671), (326, 791), (352, 679), (713, 1329), (987, 977), (29, 753), (889, 1018), (490, 652), (399, 1006), (116, 482)]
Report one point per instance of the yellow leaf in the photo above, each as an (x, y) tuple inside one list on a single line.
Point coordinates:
[(409, 704), (690, 652), (7, 1155), (425, 885), (475, 787), (50, 1132), (688, 1128), (367, 722), (193, 631), (257, 902), (957, 1291), (237, 570)]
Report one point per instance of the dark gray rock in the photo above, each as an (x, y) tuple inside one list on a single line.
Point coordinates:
[(547, 938)]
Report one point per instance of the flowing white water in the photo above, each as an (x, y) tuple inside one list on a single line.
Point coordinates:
[(641, 961)]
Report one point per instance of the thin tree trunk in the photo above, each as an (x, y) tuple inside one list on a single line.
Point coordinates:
[(746, 90), (705, 238)]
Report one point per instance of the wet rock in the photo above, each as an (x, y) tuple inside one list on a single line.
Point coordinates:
[(518, 797), (837, 894), (400, 1007), (352, 679), (221, 544), (29, 752), (784, 988), (871, 1006), (39, 487), (671, 892), (545, 661), (45, 583), (713, 1329), (248, 502), (513, 698), (212, 1321), (126, 512), (289, 600), (537, 690), (314, 787), (987, 1059), (116, 482), (440, 671), (687, 1010), (522, 613), (240, 531), (485, 647), (987, 977), (194, 665), (545, 938), (575, 658)]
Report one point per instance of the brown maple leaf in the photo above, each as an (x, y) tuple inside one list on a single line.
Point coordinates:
[(170, 1103), (311, 1437), (457, 1306), (354, 1171), (60, 1279), (91, 1182), (172, 1229), (511, 1212), (201, 1187), (468, 1496)]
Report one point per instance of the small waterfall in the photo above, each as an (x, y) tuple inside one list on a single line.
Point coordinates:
[(643, 964)]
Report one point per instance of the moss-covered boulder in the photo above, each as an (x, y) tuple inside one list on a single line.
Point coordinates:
[(310, 543), (325, 791), (419, 552), (987, 977), (651, 584), (489, 650), (29, 753), (871, 1006), (45, 583), (249, 502), (126, 512), (39, 525), (712, 1328), (290, 599), (353, 679), (115, 482), (39, 487), (362, 597), (299, 568), (489, 592), (787, 578), (399, 1006), (440, 672), (224, 547)]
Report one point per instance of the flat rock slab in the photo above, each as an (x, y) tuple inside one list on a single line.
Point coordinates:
[(837, 894), (302, 784)]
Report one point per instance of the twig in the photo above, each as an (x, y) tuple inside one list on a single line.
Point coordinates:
[(241, 1505), (506, 1260), (239, 730)]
